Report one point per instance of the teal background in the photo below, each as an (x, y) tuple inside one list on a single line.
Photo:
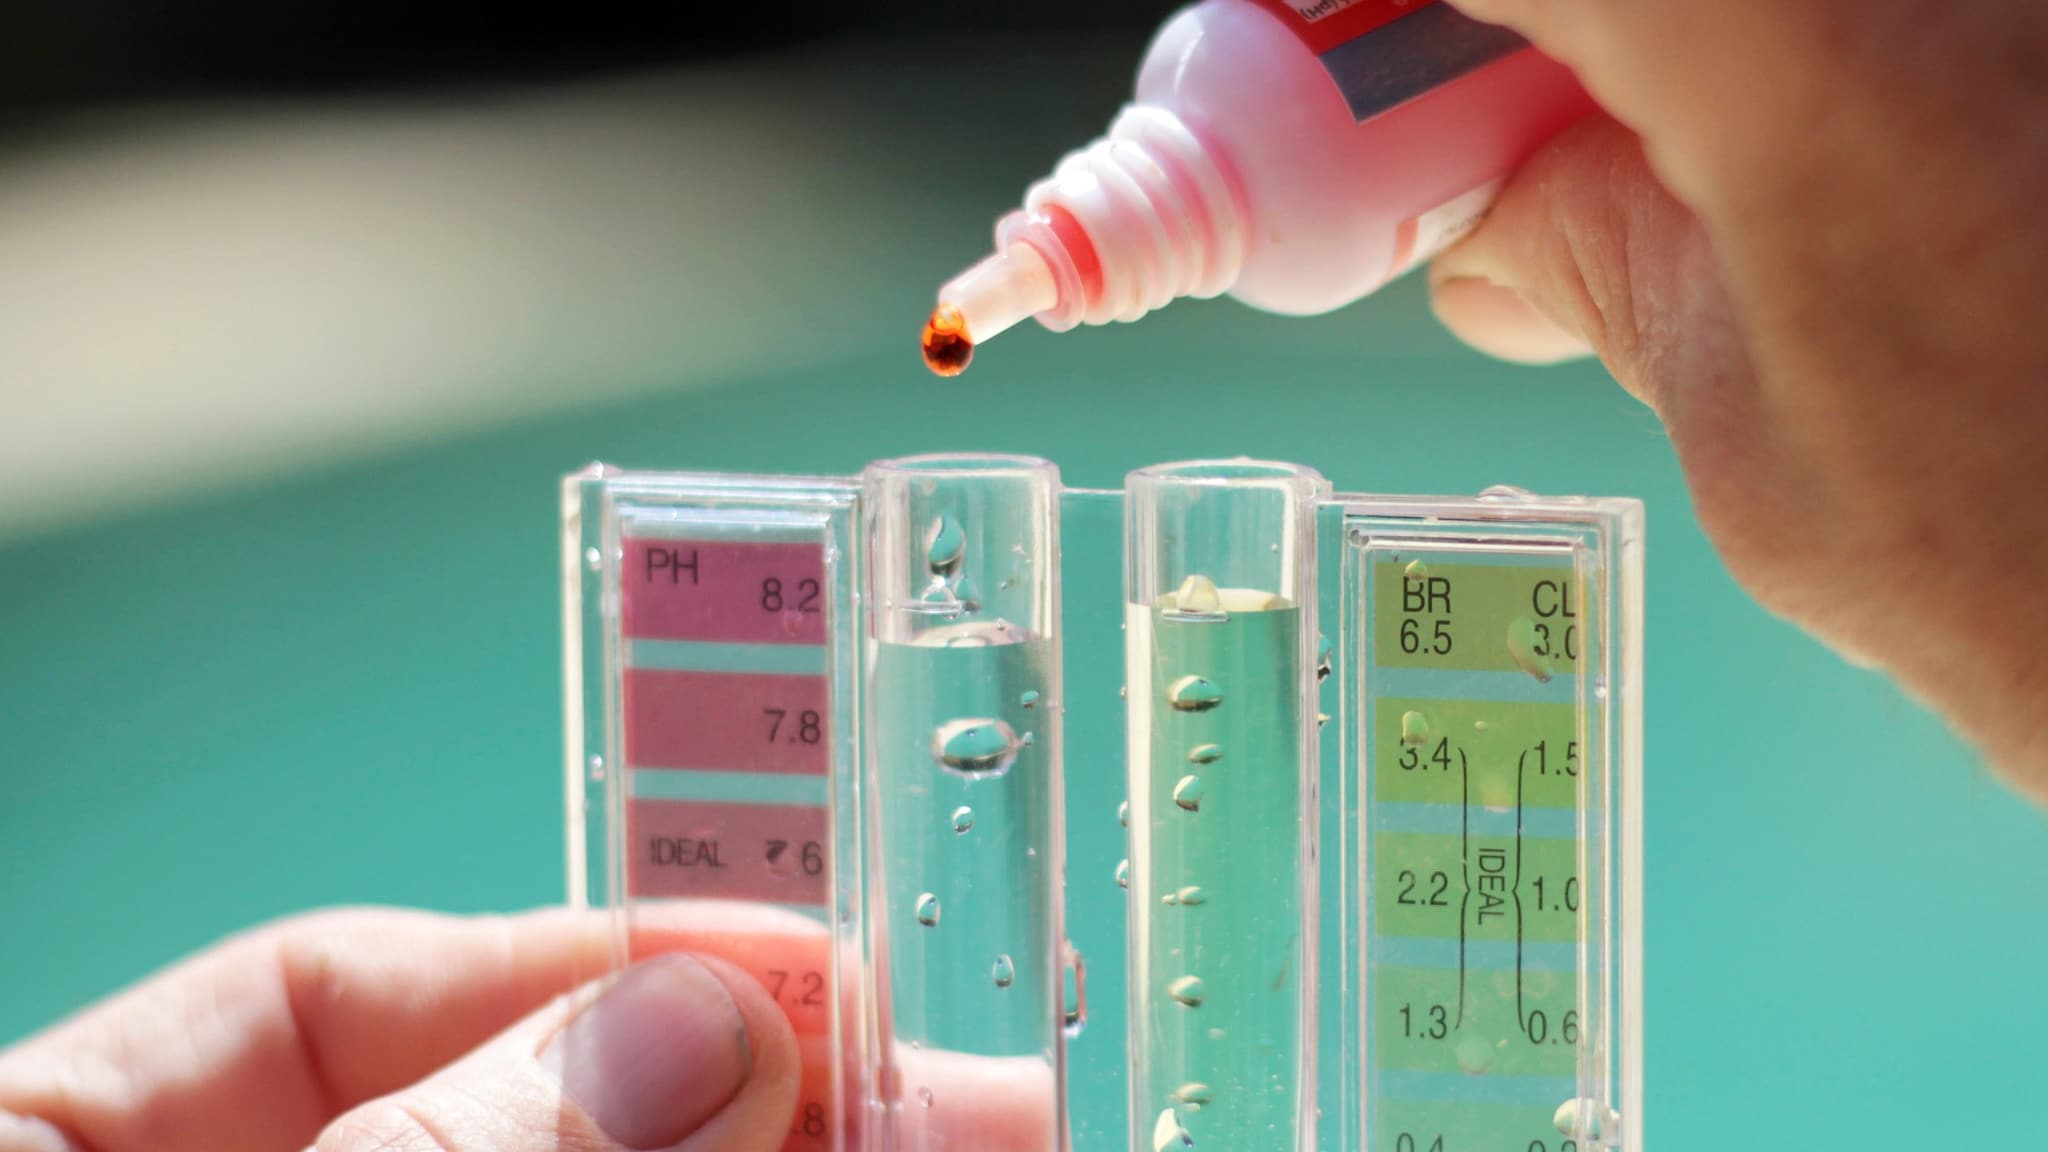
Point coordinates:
[(344, 687)]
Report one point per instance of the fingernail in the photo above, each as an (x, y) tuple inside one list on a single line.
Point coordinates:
[(1500, 321), (656, 1055)]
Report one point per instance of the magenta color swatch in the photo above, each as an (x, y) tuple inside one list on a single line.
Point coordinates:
[(717, 590), (727, 721), (690, 848)]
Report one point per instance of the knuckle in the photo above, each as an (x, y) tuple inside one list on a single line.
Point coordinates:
[(1599, 211), (387, 1125), (323, 955)]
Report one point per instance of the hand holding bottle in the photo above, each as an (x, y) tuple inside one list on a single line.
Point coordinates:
[(1809, 236)]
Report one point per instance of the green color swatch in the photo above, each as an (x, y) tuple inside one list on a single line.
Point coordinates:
[(1501, 1027), (1482, 887), (1510, 752), (1410, 1126)]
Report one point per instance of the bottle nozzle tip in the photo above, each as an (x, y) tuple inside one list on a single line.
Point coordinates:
[(947, 347), (984, 302)]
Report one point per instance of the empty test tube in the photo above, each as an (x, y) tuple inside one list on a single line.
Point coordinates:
[(1220, 636), (963, 841)]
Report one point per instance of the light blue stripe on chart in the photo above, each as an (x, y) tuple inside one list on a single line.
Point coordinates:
[(816, 912), (703, 656), (728, 787), (1449, 820), (1453, 684), (1488, 956), (1458, 1088)]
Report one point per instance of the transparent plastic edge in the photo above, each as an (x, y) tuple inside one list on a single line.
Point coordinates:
[(1337, 803), (574, 596), (1626, 567), (1095, 913), (851, 1074), (590, 730), (1349, 658)]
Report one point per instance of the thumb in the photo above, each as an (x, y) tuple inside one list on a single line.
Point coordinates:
[(678, 1052)]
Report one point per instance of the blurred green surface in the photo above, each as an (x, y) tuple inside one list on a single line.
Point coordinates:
[(345, 687)]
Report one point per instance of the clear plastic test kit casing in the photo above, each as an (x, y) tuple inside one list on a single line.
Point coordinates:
[(1377, 879)]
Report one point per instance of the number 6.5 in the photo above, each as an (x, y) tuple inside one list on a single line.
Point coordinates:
[(1437, 641)]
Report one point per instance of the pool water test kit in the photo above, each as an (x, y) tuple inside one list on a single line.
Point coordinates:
[(1375, 762)]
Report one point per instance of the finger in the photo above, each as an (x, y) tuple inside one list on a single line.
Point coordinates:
[(1589, 240), (1586, 249), (679, 1052), (1739, 96), (968, 1100), (1501, 322), (284, 1027), (1593, 249), (1625, 50)]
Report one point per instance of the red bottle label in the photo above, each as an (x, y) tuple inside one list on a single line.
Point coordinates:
[(1383, 53), (1324, 24)]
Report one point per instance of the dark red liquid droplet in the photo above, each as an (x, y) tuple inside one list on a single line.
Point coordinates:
[(947, 350)]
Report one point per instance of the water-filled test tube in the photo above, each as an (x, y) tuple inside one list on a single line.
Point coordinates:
[(1221, 643), (964, 839)]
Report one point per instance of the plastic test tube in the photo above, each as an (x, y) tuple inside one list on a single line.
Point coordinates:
[(1220, 636), (964, 834)]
